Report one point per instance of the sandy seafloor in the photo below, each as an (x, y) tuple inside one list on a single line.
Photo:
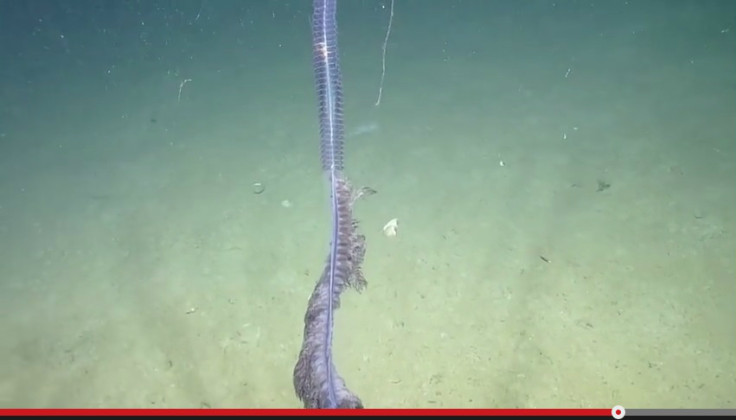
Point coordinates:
[(139, 269)]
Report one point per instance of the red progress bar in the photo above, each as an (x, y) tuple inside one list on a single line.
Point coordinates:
[(604, 412)]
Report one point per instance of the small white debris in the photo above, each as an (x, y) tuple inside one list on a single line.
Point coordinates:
[(390, 228)]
